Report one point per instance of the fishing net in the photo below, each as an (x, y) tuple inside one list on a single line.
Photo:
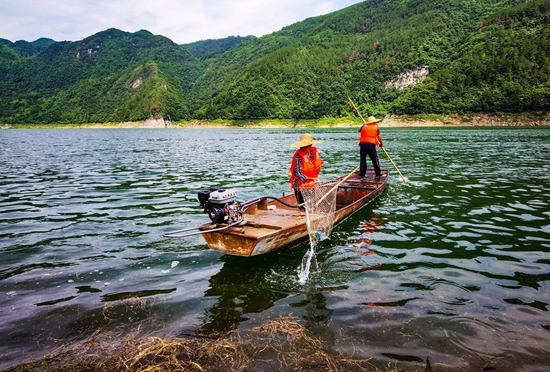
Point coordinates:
[(320, 203)]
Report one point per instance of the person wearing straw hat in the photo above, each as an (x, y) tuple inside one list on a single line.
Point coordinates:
[(369, 139), (305, 166)]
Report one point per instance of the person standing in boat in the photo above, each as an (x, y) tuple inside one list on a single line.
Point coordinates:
[(306, 165), (369, 139)]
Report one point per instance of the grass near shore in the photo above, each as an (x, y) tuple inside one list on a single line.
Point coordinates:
[(275, 345)]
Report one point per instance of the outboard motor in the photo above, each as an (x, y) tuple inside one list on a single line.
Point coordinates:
[(219, 204)]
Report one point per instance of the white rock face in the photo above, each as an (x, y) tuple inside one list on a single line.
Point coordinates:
[(137, 83), (409, 78)]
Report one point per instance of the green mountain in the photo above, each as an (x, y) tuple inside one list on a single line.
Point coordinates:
[(27, 49), (206, 49), (503, 65), (389, 56), (110, 76), (358, 51)]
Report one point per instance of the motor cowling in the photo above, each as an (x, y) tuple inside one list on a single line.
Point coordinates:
[(219, 204)]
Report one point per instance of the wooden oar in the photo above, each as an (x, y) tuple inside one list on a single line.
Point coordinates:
[(383, 148), (338, 184)]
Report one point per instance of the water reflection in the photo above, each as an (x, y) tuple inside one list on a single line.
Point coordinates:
[(246, 286)]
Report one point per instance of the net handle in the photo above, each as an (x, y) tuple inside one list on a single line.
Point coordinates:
[(335, 186)]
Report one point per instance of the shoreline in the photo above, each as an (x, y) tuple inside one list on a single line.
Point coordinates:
[(390, 121)]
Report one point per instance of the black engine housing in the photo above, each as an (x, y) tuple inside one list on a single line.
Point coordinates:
[(218, 203)]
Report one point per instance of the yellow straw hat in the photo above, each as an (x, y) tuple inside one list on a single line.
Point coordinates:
[(372, 119), (305, 140)]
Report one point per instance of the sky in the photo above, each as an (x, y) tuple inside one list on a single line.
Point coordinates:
[(182, 21)]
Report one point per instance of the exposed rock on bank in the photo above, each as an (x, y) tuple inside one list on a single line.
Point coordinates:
[(468, 120), (149, 123), (455, 120)]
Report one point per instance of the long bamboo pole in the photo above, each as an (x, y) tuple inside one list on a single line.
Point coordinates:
[(383, 148), (395, 166)]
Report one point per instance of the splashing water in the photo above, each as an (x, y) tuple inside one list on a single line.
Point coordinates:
[(304, 269), (320, 202)]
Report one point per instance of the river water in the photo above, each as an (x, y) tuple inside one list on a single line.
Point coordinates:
[(453, 265)]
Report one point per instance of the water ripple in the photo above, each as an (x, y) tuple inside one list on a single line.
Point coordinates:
[(452, 264)]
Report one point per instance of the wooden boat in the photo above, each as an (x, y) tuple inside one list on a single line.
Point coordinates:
[(267, 226)]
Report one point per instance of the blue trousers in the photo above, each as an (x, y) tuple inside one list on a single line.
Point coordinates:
[(370, 150)]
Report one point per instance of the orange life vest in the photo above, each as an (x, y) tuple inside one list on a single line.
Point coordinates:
[(369, 134), (310, 166)]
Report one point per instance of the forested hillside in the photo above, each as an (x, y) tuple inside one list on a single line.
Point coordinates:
[(110, 76), (504, 65), (25, 48), (465, 55), (206, 49), (357, 51)]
